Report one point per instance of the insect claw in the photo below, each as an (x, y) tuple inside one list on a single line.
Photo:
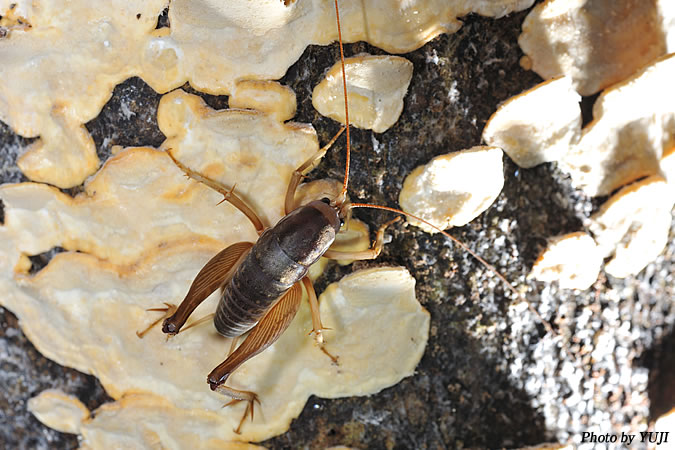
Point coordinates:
[(168, 311), (334, 359), (250, 407)]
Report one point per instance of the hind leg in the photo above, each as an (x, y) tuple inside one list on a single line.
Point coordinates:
[(264, 334), (228, 193)]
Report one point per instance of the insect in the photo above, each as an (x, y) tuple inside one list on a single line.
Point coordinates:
[(262, 282)]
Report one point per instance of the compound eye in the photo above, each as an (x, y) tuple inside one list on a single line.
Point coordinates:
[(326, 200)]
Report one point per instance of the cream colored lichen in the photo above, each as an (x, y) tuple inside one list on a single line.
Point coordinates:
[(376, 86), (633, 124), (633, 225), (143, 231), (269, 97), (452, 189), (57, 74), (596, 42), (60, 70), (539, 125), (573, 260), (249, 149), (85, 313), (59, 411)]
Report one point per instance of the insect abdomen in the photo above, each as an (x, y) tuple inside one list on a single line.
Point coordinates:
[(280, 258)]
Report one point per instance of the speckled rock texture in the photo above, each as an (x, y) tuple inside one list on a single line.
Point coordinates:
[(491, 375)]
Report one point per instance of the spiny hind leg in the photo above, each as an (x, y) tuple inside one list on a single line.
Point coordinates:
[(306, 167), (318, 327), (371, 253), (228, 193), (261, 336)]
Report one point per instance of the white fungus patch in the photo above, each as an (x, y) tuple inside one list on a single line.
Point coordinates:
[(596, 42), (246, 148), (58, 73), (633, 225), (59, 411), (227, 145), (452, 189), (269, 97), (95, 309), (62, 61), (133, 422), (143, 231), (633, 124), (573, 260), (532, 132), (631, 137), (376, 86)]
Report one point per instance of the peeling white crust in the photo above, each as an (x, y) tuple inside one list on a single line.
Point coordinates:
[(632, 227), (596, 42), (453, 189), (539, 125), (376, 86), (573, 260), (61, 63), (60, 411)]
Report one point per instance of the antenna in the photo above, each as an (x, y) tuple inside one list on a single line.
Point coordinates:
[(343, 194)]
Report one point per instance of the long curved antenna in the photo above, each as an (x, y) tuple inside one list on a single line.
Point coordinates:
[(489, 266), (343, 194)]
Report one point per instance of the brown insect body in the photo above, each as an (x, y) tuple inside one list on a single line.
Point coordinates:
[(280, 258), (262, 282)]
